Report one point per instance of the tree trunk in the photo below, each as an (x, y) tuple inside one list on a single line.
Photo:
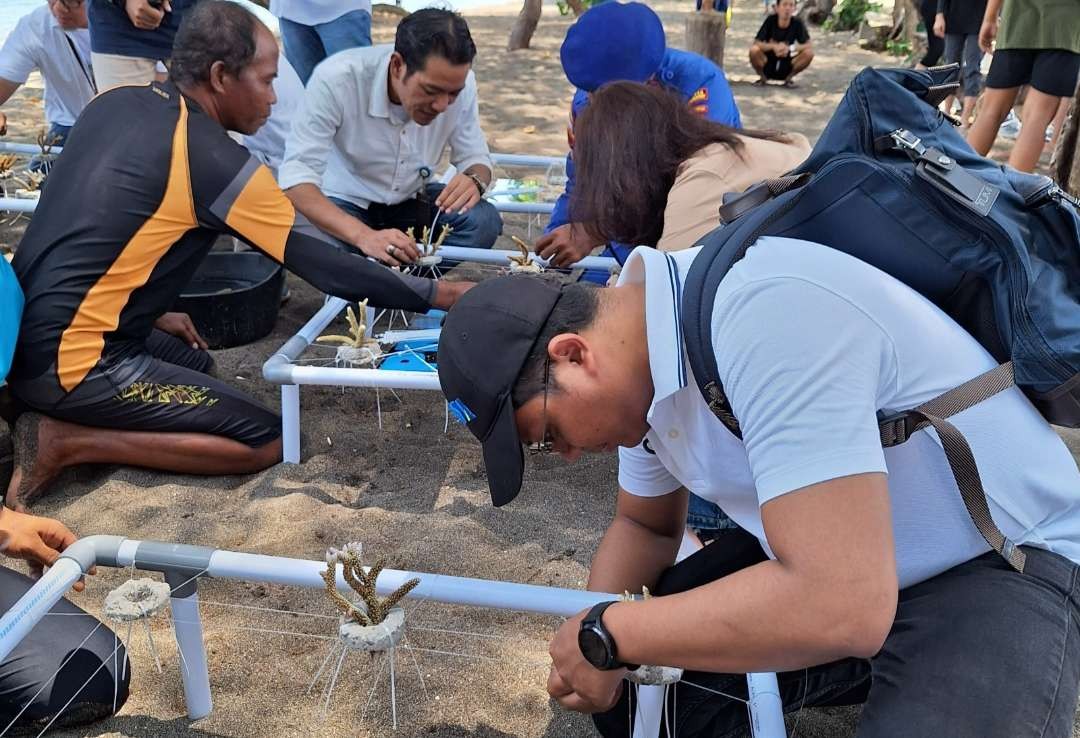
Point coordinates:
[(816, 11), (705, 34), (525, 25), (1065, 167)]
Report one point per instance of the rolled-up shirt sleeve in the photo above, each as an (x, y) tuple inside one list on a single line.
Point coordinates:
[(468, 147), (312, 137), (17, 58)]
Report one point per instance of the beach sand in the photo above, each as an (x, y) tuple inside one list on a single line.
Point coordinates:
[(408, 492)]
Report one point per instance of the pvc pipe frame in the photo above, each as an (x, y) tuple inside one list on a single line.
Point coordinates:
[(506, 160), (280, 369), (183, 564)]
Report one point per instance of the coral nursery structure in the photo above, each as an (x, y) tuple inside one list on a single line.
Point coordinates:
[(373, 609)]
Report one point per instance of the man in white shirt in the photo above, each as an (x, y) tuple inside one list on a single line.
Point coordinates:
[(374, 125), (53, 40), (312, 30), (870, 582)]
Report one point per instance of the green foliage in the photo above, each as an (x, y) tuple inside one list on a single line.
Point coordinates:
[(849, 14), (898, 47), (565, 9)]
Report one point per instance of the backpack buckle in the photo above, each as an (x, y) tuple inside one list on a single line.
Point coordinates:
[(906, 141), (896, 428)]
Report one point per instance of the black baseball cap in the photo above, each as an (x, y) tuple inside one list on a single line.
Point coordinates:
[(485, 340)]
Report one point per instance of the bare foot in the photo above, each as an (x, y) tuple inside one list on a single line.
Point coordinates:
[(35, 463)]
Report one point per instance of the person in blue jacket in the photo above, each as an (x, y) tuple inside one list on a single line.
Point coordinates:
[(625, 41)]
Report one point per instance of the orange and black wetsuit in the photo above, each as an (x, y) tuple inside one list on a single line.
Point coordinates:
[(146, 185)]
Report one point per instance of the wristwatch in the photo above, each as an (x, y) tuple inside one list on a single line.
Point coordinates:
[(596, 644), (479, 183)]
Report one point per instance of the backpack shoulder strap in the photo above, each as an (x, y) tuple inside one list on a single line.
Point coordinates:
[(699, 296), (896, 429)]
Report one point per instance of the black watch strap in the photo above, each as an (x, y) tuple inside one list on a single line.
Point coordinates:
[(593, 621)]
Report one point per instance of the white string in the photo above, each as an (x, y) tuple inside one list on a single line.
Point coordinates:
[(326, 661), (333, 681), (371, 692), (713, 691), (267, 609), (77, 692), (48, 681)]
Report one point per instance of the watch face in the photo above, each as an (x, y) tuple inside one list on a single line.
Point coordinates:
[(593, 647)]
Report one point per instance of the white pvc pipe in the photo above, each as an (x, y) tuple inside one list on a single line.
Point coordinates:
[(23, 148), (290, 423), (195, 674), (502, 257), (532, 208), (439, 587), (526, 160), (348, 377), (766, 707), (17, 205), (36, 603), (322, 318)]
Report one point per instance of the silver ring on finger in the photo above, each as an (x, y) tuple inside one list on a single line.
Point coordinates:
[(390, 249)]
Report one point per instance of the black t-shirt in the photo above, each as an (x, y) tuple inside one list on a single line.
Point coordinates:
[(771, 31)]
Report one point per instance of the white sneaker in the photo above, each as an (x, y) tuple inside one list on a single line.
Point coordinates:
[(1011, 127)]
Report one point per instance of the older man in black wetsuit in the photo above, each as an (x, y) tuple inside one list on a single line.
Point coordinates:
[(151, 180)]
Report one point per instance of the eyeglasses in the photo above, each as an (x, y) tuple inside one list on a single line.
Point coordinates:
[(547, 445)]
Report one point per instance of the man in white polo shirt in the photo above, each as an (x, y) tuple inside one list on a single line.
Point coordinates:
[(374, 125), (858, 573), (53, 40)]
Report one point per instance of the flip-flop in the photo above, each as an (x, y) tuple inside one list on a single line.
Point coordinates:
[(759, 82), (790, 84)]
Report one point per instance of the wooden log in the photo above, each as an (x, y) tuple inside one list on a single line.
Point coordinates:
[(706, 31), (525, 25), (1065, 166)]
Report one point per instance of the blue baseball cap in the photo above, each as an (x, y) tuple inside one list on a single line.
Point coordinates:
[(613, 41)]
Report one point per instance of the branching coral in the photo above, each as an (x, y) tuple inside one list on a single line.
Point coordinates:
[(373, 609)]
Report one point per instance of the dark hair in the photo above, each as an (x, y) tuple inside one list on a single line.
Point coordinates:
[(433, 32), (213, 30), (574, 311), (629, 144)]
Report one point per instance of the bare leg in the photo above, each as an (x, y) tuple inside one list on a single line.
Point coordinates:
[(44, 447), (800, 62), (967, 113), (995, 105), (1059, 121), (1039, 110), (757, 61)]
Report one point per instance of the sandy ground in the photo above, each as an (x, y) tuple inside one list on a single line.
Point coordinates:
[(408, 492)]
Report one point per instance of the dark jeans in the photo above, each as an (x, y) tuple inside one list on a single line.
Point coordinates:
[(964, 50), (477, 228), (978, 651), (306, 46), (32, 673)]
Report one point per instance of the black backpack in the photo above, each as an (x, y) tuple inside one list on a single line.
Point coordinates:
[(893, 183)]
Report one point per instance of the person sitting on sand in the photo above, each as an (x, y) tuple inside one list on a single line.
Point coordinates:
[(374, 124), (782, 47), (70, 666), (693, 163), (856, 572), (113, 376), (625, 41), (53, 40)]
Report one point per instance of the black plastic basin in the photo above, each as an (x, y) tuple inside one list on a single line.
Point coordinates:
[(233, 297)]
